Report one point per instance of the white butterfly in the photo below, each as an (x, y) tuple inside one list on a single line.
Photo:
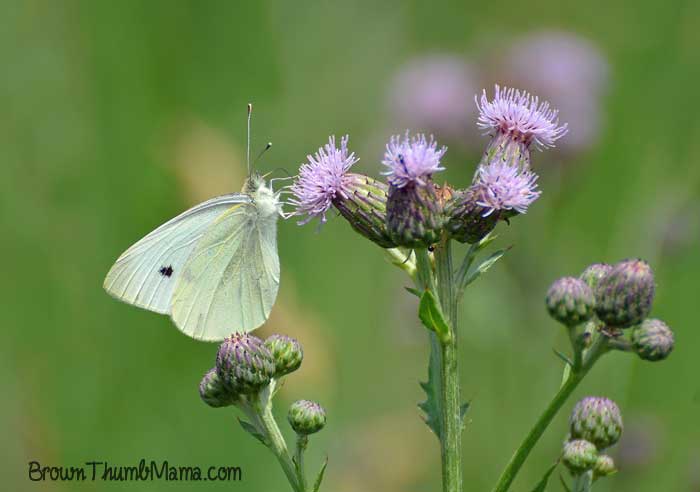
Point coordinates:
[(214, 268)]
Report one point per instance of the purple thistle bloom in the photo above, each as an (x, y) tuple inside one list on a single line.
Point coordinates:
[(500, 186), (411, 159), (521, 116), (322, 179)]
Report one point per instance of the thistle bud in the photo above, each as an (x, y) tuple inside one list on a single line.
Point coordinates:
[(624, 295), (363, 204), (286, 352), (570, 301), (468, 221), (306, 417), (593, 273), (579, 456), (244, 364), (213, 392), (596, 420), (652, 340), (604, 466)]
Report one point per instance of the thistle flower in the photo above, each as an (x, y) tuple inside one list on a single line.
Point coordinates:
[(213, 392), (596, 420), (500, 187), (306, 417), (244, 364), (624, 296), (570, 301), (286, 352), (414, 208), (579, 456), (652, 340), (593, 273), (468, 222), (325, 181), (515, 121)]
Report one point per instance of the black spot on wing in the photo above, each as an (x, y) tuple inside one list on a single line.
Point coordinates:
[(166, 271)]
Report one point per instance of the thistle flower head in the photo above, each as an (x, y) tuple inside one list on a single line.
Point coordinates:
[(594, 273), (570, 301), (521, 116), (306, 417), (596, 420), (579, 456), (322, 179), (624, 295), (652, 340), (244, 364), (412, 159), (213, 392), (287, 353), (500, 186)]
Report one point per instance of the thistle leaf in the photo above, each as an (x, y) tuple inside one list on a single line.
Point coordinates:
[(484, 266), (413, 291), (319, 477), (431, 405), (563, 482), (431, 316), (542, 484), (563, 357), (250, 429)]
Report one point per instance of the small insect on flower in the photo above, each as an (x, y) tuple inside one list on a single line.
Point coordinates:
[(521, 116), (412, 159), (322, 179)]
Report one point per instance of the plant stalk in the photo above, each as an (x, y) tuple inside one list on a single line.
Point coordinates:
[(576, 375), (278, 445)]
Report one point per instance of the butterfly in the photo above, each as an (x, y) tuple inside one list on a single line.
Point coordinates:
[(214, 268)]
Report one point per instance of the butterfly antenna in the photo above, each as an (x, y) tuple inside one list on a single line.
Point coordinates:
[(262, 152), (247, 152)]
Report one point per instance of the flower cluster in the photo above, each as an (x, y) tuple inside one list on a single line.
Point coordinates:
[(247, 370), (412, 211), (613, 300), (595, 425)]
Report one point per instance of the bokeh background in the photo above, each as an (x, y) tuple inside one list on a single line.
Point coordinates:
[(119, 115)]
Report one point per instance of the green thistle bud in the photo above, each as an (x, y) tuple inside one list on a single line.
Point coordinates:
[(306, 417), (624, 295), (244, 364), (579, 456), (414, 215), (652, 340), (213, 392), (363, 205), (596, 420), (570, 301), (593, 273), (286, 352), (466, 221), (604, 466)]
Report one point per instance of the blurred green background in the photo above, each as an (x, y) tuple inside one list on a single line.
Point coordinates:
[(118, 115)]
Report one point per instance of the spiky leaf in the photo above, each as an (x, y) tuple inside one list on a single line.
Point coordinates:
[(542, 484), (431, 316), (319, 477), (250, 429)]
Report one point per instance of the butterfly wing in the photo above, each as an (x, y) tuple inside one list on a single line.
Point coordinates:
[(230, 281), (145, 275)]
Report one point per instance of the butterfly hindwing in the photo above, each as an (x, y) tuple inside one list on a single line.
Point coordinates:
[(145, 275), (230, 281)]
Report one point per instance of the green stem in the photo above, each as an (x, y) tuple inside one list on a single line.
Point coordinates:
[(277, 444), (598, 348), (451, 438), (583, 482), (302, 442)]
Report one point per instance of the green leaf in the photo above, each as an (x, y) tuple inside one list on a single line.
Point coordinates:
[(485, 241), (484, 266), (566, 487), (319, 477), (250, 429), (563, 357), (431, 316), (413, 291), (542, 484), (431, 405)]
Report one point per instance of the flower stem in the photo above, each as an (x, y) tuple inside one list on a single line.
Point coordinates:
[(451, 438), (277, 444), (302, 442), (583, 482), (576, 375)]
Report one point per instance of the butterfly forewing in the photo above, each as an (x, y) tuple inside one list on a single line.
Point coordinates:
[(146, 274)]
